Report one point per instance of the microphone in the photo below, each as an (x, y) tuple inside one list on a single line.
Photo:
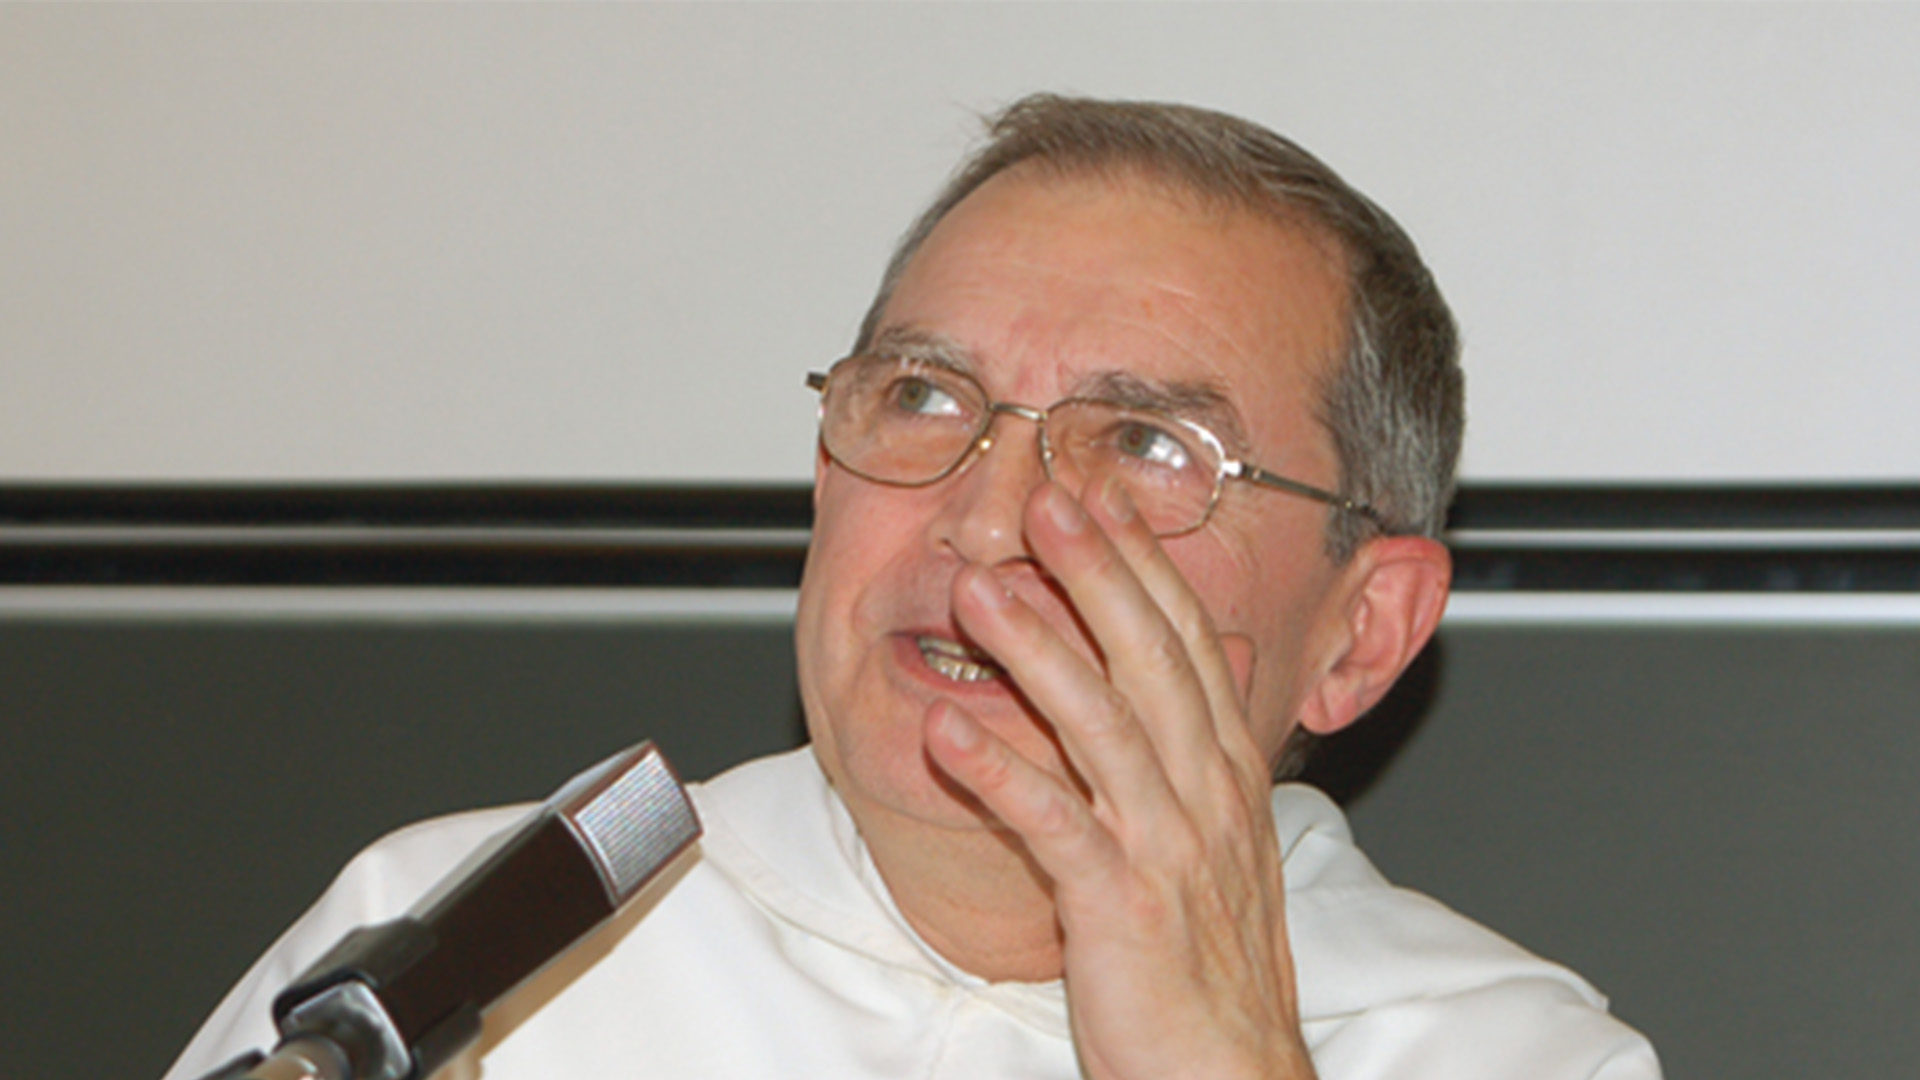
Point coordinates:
[(396, 1000)]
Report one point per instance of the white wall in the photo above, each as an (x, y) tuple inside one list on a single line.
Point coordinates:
[(424, 242)]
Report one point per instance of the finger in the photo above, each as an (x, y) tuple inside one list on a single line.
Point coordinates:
[(1158, 664), (1225, 679), (1097, 725), (1055, 823)]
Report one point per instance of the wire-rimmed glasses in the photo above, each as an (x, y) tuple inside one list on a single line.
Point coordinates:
[(911, 422)]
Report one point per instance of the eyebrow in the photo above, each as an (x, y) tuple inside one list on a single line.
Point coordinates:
[(1202, 402), (906, 343)]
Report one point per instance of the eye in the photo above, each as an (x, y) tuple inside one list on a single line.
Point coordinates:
[(922, 397), (1151, 445)]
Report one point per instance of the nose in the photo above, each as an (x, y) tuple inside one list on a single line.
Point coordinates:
[(983, 502)]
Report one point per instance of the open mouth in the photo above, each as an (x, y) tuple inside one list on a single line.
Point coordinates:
[(957, 662)]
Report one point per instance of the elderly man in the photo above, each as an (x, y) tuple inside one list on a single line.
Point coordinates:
[(1128, 490)]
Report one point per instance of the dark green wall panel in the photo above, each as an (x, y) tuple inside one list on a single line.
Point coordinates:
[(1712, 824)]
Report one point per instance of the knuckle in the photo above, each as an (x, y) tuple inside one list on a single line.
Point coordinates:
[(1193, 619), (1176, 848), (1104, 563), (1111, 717), (1164, 655), (1055, 818), (1238, 820), (1149, 907), (992, 771)]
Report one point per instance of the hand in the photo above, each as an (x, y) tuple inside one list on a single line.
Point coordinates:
[(1165, 866)]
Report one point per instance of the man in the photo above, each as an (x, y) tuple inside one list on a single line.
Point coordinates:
[(1129, 487)]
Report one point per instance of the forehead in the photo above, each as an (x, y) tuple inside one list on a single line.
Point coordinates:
[(1046, 286)]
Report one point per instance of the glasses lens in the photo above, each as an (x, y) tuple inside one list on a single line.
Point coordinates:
[(1170, 468), (900, 421)]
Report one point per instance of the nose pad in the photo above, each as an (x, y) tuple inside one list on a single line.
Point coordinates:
[(980, 519)]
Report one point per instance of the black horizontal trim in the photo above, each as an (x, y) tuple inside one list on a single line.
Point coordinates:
[(522, 565), (1645, 506), (414, 505), (754, 537), (1848, 570), (778, 567), (1478, 506)]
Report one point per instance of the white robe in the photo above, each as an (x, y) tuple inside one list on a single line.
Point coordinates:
[(778, 953)]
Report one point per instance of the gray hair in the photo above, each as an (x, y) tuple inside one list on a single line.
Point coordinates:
[(1394, 404)]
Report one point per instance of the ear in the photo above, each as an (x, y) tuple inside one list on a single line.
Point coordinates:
[(1394, 590)]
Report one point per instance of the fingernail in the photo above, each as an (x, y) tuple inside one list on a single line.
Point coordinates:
[(1114, 499), (1064, 510), (987, 587)]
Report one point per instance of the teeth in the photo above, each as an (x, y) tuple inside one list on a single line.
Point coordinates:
[(960, 670), (956, 661)]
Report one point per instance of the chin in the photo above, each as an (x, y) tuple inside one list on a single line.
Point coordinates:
[(894, 776), (884, 769)]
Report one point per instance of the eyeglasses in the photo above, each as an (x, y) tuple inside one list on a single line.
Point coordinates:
[(911, 422)]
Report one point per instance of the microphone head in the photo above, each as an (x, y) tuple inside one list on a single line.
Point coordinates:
[(630, 815)]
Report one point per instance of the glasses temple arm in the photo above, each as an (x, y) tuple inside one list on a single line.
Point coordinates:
[(1255, 474)]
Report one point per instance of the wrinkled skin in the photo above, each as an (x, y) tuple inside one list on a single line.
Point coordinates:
[(1097, 808)]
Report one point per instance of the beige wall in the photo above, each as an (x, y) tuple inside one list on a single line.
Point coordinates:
[(422, 241)]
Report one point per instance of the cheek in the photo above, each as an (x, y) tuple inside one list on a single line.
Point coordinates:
[(1266, 597), (827, 588), (825, 601), (1222, 574), (825, 631), (858, 541)]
